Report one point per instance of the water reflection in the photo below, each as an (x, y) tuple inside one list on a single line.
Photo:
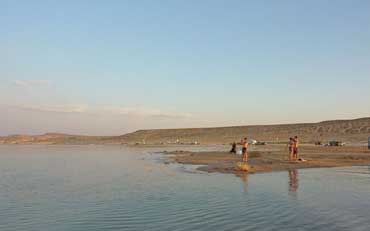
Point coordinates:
[(131, 193), (293, 182), (244, 177)]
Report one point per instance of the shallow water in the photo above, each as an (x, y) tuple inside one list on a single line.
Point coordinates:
[(122, 188)]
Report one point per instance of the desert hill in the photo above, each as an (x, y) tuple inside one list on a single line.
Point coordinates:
[(345, 130), (353, 131), (54, 138)]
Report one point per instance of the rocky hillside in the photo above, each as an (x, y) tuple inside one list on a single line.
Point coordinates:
[(357, 130)]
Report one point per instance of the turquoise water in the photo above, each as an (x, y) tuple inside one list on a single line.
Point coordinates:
[(121, 188)]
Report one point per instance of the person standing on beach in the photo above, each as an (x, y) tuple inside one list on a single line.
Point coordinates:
[(245, 149), (295, 148), (233, 148), (291, 148)]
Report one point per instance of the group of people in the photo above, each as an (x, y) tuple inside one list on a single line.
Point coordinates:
[(292, 146), (244, 143)]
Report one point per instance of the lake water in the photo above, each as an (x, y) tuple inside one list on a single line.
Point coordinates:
[(121, 188)]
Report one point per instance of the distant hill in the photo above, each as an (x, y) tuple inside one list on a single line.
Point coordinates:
[(345, 130), (56, 138), (356, 130)]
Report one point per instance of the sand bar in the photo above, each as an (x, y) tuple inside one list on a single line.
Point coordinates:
[(273, 158)]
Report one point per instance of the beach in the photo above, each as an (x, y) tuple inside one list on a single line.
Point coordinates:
[(269, 158)]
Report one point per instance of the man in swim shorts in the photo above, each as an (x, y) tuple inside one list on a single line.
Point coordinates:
[(245, 149), (290, 148)]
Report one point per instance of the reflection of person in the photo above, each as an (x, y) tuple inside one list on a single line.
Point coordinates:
[(293, 180), (295, 148), (244, 177), (245, 149), (233, 148)]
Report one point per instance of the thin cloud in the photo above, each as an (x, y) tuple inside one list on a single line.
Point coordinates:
[(56, 108), (172, 115), (32, 83), (145, 112), (106, 110)]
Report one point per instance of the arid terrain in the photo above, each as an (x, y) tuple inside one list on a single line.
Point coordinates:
[(356, 130), (57, 138), (350, 131)]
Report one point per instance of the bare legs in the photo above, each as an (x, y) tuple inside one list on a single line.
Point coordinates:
[(291, 154), (245, 156), (295, 154)]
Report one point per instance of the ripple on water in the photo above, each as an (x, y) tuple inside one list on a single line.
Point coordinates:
[(110, 188)]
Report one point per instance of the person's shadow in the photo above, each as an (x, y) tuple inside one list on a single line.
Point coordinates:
[(293, 182)]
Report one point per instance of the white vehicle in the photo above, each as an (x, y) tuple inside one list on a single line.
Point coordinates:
[(252, 141)]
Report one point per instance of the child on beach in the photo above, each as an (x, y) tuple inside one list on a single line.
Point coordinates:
[(233, 148)]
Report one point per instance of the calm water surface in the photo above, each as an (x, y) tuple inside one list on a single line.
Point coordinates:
[(121, 188)]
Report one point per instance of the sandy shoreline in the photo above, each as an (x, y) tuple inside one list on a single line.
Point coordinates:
[(273, 158)]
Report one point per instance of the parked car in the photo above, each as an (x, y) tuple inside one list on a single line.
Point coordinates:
[(335, 143)]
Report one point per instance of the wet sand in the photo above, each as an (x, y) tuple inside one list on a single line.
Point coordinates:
[(269, 158)]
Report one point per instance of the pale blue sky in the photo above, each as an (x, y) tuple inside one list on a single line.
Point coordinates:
[(109, 67)]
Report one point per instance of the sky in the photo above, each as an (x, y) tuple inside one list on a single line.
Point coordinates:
[(112, 67)]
